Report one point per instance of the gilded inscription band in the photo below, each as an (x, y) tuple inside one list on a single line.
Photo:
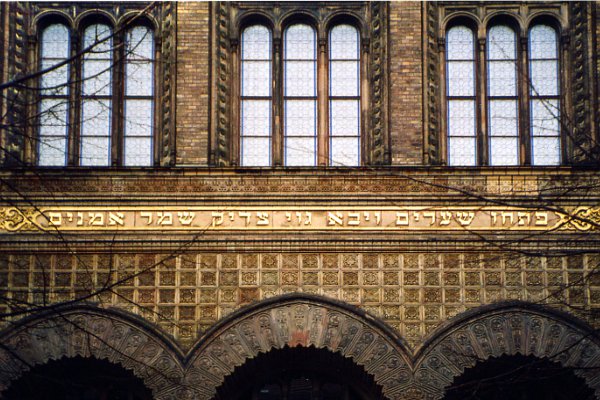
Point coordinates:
[(294, 219)]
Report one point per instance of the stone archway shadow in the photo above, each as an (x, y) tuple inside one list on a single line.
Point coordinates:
[(507, 328)]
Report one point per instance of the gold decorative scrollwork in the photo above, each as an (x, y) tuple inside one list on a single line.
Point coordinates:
[(15, 219), (581, 219)]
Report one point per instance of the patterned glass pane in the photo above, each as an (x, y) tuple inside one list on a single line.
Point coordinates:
[(343, 43), (94, 151), (300, 78), (546, 151), (138, 151), (52, 151), (256, 43), (56, 80), (344, 116), (95, 118), (300, 117), (98, 35), (256, 78), (53, 117), (300, 151), (542, 43), (460, 44), (55, 42), (140, 44), (344, 78), (256, 118), (461, 151), (545, 117), (461, 78), (544, 78), (502, 43), (503, 117), (504, 151), (96, 78), (300, 43), (461, 118), (345, 151), (139, 78), (502, 78), (256, 151), (138, 117)]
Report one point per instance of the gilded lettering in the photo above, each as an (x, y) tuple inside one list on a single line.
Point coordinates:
[(115, 218), (217, 218), (55, 218), (263, 218), (186, 217), (430, 215), (246, 215), (541, 218), (402, 218), (521, 217), (353, 218), (446, 217), (164, 218), (465, 217), (336, 218), (96, 219), (147, 215)]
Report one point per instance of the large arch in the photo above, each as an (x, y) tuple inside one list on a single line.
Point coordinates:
[(510, 328), (300, 320), (89, 331)]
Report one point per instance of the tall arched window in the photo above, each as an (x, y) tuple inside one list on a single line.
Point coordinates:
[(544, 95), (344, 96), (96, 96), (54, 104), (139, 97), (503, 97), (256, 98), (461, 98), (300, 96)]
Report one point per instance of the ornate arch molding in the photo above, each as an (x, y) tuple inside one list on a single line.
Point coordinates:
[(299, 320), (507, 329), (88, 331)]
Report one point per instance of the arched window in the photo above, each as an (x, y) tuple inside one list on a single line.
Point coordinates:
[(544, 95), (502, 99), (110, 96), (461, 98), (256, 97), (54, 104), (344, 96), (96, 96), (139, 97), (300, 96)]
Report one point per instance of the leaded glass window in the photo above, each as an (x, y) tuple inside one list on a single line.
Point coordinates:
[(502, 100), (344, 96), (54, 103), (300, 96), (256, 101), (96, 96), (461, 99), (139, 94), (544, 96)]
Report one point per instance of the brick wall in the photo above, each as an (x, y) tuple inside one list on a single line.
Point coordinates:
[(193, 58), (406, 83)]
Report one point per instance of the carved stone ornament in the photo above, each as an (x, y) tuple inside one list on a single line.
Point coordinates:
[(301, 320)]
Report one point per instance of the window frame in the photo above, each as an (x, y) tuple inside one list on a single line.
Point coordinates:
[(523, 60), (119, 29), (277, 31)]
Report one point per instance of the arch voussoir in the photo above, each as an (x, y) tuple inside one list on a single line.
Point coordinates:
[(507, 329), (301, 320)]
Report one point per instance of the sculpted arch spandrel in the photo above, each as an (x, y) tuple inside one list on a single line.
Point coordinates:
[(506, 329), (302, 320)]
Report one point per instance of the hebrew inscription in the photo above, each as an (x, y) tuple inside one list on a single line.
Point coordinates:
[(294, 218)]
